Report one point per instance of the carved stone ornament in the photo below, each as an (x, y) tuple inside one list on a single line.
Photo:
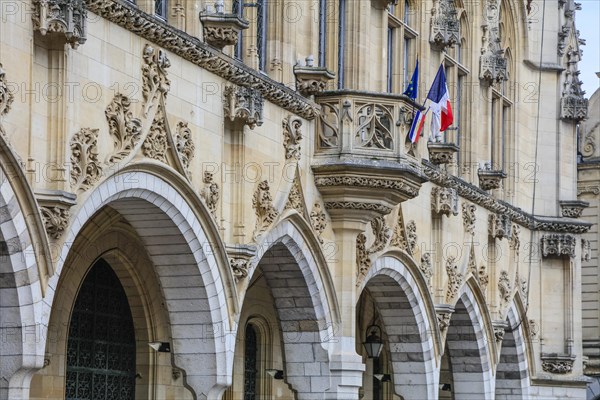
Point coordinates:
[(445, 27), (6, 98), (318, 220), (243, 104), (374, 183), (240, 256), (558, 245), (156, 144), (441, 153), (222, 29), (558, 363), (444, 314), (515, 239), (86, 170), (311, 80), (295, 199), (455, 279), (499, 226), (210, 193), (292, 136), (444, 201), (426, 268), (184, 145), (382, 234), (56, 220), (66, 19), (504, 289), (573, 208), (586, 250), (262, 202), (404, 238), (499, 329), (573, 104), (154, 76), (190, 48), (468, 214), (490, 179), (411, 236), (124, 129), (362, 258), (492, 62), (239, 268), (483, 277), (521, 285), (357, 205)]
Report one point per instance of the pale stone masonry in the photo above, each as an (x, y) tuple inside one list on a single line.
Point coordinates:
[(244, 171)]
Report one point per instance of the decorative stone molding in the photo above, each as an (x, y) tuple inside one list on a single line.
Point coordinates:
[(445, 27), (190, 48), (444, 201), (65, 19), (155, 83), (318, 220), (573, 208), (243, 104), (222, 29), (505, 289), (573, 104), (54, 209), (311, 80), (184, 145), (156, 144), (262, 202), (468, 213), (399, 237), (499, 226), (355, 205), (86, 169), (455, 279), (382, 234), (411, 236), (517, 215), (295, 199), (492, 62), (210, 194), (558, 245), (365, 182), (292, 136), (558, 363), (124, 129), (490, 179), (362, 258), (426, 268), (441, 153), (586, 250), (515, 239), (590, 189), (239, 259), (6, 99)]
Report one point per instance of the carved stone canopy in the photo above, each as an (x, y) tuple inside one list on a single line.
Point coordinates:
[(500, 226), (222, 29), (444, 200), (243, 104), (558, 245), (573, 104), (557, 363), (573, 208), (490, 179), (441, 153), (65, 19), (445, 26), (492, 62), (311, 80)]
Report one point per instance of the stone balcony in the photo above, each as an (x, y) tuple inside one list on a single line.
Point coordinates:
[(363, 162)]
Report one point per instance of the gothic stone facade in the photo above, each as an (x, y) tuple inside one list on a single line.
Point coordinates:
[(218, 201)]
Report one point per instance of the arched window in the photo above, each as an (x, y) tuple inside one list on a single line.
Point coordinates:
[(251, 364), (101, 345), (401, 36)]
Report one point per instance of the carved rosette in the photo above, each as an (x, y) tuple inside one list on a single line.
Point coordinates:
[(210, 194), (492, 62), (455, 279), (426, 268), (243, 104), (441, 153), (468, 214), (85, 167), (558, 363), (6, 98), (318, 220), (184, 145), (382, 234), (221, 29), (56, 220), (124, 129), (66, 19), (445, 27), (573, 208), (499, 226), (444, 201), (558, 245), (586, 250), (292, 136), (262, 202), (154, 76)]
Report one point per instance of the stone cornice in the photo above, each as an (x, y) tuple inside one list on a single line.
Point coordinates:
[(480, 197), (197, 52)]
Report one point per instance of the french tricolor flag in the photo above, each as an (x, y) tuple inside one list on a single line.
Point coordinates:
[(441, 112), (417, 126)]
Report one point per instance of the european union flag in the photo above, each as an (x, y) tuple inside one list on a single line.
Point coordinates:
[(413, 87)]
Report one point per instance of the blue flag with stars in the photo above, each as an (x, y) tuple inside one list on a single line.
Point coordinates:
[(413, 86)]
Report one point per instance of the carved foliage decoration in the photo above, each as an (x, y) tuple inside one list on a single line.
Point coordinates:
[(56, 220), (362, 257), (61, 17), (586, 250), (292, 136), (85, 167), (154, 76), (6, 98), (382, 234), (243, 104), (492, 63), (156, 144), (445, 28), (426, 268), (515, 239), (455, 279), (505, 289), (557, 364), (210, 193), (124, 129), (468, 213), (318, 220), (184, 144), (555, 244), (399, 238), (499, 226), (296, 198), (263, 207), (444, 200)]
